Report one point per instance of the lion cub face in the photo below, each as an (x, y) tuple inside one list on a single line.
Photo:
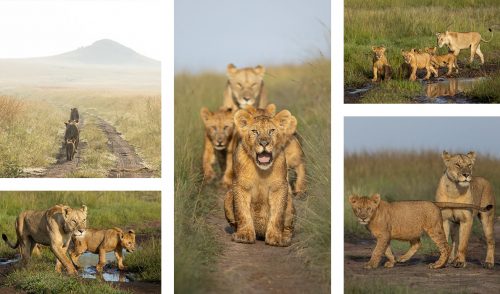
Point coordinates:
[(378, 52), (364, 207), (459, 167), (245, 83), (219, 126), (75, 220), (127, 240), (264, 135), (408, 55)]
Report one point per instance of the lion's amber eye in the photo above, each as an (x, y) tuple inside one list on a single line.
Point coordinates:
[(240, 85), (255, 132), (457, 165), (271, 131)]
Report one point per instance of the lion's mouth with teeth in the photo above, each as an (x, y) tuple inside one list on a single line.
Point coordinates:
[(264, 159)]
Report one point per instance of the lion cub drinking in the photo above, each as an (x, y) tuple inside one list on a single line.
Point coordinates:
[(401, 220), (100, 242), (381, 67)]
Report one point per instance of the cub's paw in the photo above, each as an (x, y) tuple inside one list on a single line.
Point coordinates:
[(244, 237), (436, 266), (370, 265), (459, 264), (227, 182), (389, 264), (274, 239), (488, 265)]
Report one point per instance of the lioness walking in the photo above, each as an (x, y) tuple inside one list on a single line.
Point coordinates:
[(457, 41)]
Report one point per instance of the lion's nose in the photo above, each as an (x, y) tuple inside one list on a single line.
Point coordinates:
[(264, 143), (465, 174), (246, 98)]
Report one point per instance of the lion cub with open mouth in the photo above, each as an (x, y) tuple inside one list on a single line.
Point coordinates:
[(401, 220)]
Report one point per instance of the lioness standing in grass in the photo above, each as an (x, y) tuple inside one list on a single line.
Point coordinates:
[(381, 67), (457, 41), (457, 185), (400, 220), (259, 203), (245, 87)]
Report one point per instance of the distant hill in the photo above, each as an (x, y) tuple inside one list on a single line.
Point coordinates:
[(106, 52)]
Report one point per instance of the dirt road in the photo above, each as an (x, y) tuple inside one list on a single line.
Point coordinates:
[(259, 268), (415, 273)]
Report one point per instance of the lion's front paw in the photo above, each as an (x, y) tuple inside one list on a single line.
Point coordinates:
[(389, 264), (273, 238), (244, 236), (227, 181), (459, 263), (370, 265), (488, 265)]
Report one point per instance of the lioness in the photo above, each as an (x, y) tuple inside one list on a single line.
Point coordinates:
[(381, 66), (245, 86), (74, 116), (53, 227), (457, 185), (417, 60), (449, 60), (457, 41), (219, 128), (259, 204), (72, 133), (401, 220), (100, 242)]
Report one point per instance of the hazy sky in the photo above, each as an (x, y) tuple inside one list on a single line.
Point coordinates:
[(438, 133), (211, 34), (43, 28)]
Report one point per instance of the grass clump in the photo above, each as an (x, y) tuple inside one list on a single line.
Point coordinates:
[(146, 261)]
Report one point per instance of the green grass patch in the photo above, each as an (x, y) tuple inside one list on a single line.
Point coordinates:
[(486, 91), (146, 261), (384, 92)]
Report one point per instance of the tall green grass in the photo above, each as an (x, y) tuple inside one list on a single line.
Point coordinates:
[(411, 24), (305, 91), (487, 90)]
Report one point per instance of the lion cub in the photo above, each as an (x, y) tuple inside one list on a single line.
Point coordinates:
[(100, 242), (401, 220), (219, 127), (259, 204), (381, 66), (417, 60), (245, 87), (449, 60)]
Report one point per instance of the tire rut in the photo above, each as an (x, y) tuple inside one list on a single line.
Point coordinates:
[(259, 268), (128, 163), (416, 274)]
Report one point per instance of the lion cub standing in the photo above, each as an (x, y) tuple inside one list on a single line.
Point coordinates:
[(457, 185), (219, 127), (401, 220), (381, 67), (245, 87), (417, 60), (449, 60), (100, 242), (259, 204)]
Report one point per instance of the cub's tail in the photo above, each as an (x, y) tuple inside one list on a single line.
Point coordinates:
[(445, 205), (491, 31), (13, 246)]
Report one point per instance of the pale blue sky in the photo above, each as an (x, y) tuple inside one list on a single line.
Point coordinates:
[(211, 34), (459, 134)]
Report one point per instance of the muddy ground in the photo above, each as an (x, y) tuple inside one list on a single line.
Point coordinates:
[(259, 268), (128, 163), (416, 274), (355, 94)]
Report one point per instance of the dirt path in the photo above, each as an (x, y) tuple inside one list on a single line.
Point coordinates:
[(415, 274), (259, 268), (62, 167), (128, 163)]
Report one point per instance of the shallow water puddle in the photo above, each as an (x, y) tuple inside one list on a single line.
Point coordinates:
[(6, 261), (110, 273), (447, 90)]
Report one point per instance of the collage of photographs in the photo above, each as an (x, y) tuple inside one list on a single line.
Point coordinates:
[(190, 146)]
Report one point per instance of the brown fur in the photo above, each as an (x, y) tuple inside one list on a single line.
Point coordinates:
[(259, 203), (381, 67), (219, 131), (70, 149), (457, 41), (401, 220), (245, 87), (418, 60), (447, 60), (459, 186), (103, 241), (53, 227)]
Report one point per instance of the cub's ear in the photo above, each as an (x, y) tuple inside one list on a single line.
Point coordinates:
[(271, 109), (242, 119), (205, 114), (260, 70), (353, 199), (121, 235), (285, 121), (231, 70), (65, 123), (383, 48), (446, 156), (67, 210), (472, 156), (437, 34), (131, 232), (373, 48), (84, 208), (376, 198)]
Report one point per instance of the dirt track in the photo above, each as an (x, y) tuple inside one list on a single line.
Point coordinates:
[(415, 273), (259, 268)]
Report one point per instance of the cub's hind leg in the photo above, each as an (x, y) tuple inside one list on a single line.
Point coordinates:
[(438, 236), (415, 245), (390, 258)]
